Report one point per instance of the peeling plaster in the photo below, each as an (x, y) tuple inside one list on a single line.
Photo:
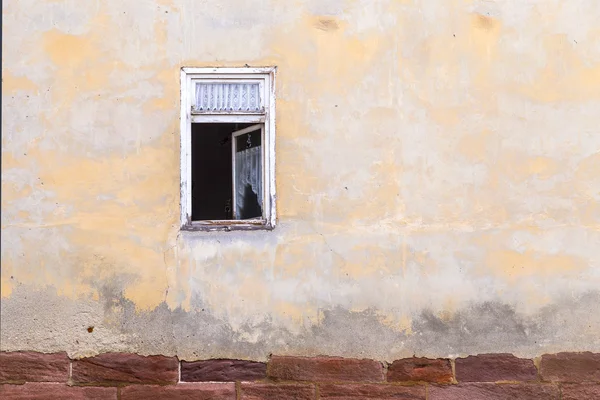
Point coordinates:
[(436, 168)]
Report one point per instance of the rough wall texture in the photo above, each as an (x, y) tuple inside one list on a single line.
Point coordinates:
[(437, 179)]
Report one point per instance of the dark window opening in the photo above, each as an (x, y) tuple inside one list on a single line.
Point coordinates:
[(213, 159)]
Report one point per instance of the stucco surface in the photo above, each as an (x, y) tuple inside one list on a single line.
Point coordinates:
[(437, 179)]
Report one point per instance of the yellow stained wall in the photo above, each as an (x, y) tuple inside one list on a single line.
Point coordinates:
[(437, 176)]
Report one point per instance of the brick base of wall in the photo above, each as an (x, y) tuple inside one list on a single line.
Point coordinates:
[(117, 376)]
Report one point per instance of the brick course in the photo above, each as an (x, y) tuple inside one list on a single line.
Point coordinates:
[(182, 391), (420, 369), (564, 376), (493, 368), (494, 391), (584, 391), (222, 371), (34, 367), (570, 367), (268, 391), (370, 391), (126, 368), (324, 369), (53, 391)]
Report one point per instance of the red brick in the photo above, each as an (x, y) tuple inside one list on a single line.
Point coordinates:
[(222, 371), (570, 367), (126, 368), (324, 369), (494, 391), (267, 391), (420, 369), (34, 367), (182, 391), (371, 391), (494, 367), (53, 391), (580, 391)]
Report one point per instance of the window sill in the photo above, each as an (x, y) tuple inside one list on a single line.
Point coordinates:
[(227, 225)]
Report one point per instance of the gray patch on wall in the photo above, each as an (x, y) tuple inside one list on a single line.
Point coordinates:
[(43, 321)]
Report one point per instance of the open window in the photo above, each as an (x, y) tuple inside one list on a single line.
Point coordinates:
[(227, 148)]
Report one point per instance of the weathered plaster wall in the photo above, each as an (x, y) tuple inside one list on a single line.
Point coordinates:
[(437, 174)]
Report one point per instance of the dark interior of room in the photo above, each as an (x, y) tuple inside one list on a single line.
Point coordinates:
[(212, 171)]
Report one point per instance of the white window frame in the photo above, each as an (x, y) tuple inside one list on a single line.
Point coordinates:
[(266, 77)]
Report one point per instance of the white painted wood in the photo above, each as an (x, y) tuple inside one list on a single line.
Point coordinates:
[(217, 113), (266, 75), (247, 130), (186, 153), (228, 118), (269, 134)]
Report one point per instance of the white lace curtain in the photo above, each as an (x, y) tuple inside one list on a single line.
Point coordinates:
[(248, 172), (227, 97)]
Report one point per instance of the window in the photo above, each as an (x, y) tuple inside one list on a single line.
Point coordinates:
[(227, 148)]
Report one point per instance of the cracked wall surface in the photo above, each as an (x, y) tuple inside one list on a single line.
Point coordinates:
[(437, 179)]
